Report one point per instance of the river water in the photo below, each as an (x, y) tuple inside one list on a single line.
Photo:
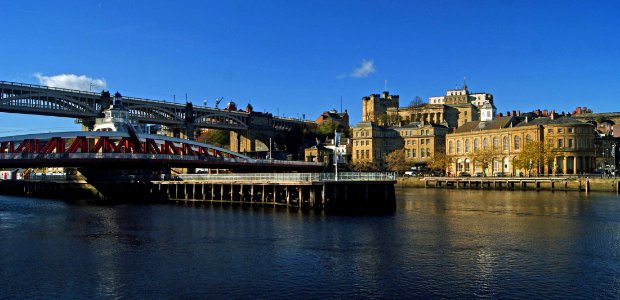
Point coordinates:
[(438, 244)]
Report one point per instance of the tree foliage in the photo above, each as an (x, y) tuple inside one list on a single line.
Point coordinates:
[(327, 129), (484, 157), (534, 156), (396, 161), (360, 166), (220, 138), (439, 161)]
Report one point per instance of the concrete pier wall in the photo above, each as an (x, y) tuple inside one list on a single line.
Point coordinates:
[(597, 184)]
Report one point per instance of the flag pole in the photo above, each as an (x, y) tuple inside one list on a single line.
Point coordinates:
[(335, 154)]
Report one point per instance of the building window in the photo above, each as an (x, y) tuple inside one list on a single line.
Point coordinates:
[(421, 141), (485, 143), (422, 152), (518, 142), (367, 153), (570, 143), (450, 147), (428, 141), (458, 147), (495, 143), (413, 153), (560, 130), (570, 130), (560, 143), (467, 146), (476, 144), (357, 154), (506, 144), (428, 152), (528, 138), (550, 130), (413, 142)]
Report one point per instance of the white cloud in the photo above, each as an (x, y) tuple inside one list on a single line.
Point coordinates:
[(72, 81), (366, 68)]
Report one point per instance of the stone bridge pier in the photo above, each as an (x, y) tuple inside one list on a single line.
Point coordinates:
[(251, 140)]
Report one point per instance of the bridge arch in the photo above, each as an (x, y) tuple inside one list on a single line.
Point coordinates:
[(148, 112), (214, 120), (46, 101)]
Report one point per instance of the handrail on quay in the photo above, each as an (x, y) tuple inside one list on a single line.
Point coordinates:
[(291, 177)]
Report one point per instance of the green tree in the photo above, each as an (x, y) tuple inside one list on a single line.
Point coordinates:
[(220, 138)]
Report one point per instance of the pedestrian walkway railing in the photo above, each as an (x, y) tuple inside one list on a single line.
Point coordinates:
[(291, 177)]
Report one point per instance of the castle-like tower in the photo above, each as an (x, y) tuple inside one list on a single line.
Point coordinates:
[(375, 106)]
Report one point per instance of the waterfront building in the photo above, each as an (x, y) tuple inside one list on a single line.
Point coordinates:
[(333, 116), (571, 143), (456, 107), (419, 141)]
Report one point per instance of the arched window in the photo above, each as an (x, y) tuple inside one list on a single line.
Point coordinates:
[(458, 147), (517, 145), (450, 147), (495, 143), (506, 144), (528, 138), (485, 143), (476, 144), (467, 146)]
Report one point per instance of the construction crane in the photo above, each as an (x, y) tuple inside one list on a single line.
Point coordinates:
[(218, 100)]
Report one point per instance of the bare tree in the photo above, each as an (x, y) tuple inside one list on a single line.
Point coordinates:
[(415, 106)]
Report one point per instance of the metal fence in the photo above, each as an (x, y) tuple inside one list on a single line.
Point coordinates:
[(292, 177)]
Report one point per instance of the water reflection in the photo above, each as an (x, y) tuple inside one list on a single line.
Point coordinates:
[(439, 243)]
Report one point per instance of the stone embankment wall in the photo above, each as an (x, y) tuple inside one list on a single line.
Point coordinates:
[(597, 184)]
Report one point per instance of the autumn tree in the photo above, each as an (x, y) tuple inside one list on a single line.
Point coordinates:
[(396, 161), (439, 161), (361, 166), (484, 157), (534, 156)]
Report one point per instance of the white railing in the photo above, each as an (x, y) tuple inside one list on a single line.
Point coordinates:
[(291, 177), (72, 156)]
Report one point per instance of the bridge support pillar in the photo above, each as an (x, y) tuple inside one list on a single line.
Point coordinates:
[(247, 141)]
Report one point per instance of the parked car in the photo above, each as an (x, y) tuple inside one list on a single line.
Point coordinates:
[(499, 174), (410, 173), (478, 174), (464, 174)]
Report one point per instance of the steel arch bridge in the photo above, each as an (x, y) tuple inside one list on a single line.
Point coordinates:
[(120, 149), (59, 102)]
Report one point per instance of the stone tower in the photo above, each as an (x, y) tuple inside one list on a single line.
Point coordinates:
[(375, 106)]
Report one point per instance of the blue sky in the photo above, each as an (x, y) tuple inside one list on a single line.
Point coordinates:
[(302, 57)]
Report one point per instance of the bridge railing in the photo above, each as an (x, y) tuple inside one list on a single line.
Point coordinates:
[(49, 88), (291, 177), (171, 157)]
